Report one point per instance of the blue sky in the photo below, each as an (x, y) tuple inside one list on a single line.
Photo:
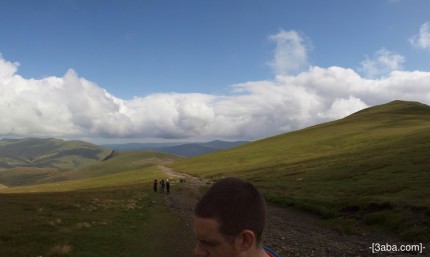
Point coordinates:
[(202, 57), (133, 48)]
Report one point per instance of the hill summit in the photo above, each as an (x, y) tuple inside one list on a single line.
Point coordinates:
[(396, 107)]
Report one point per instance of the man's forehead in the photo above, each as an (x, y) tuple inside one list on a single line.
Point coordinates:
[(206, 223), (206, 226)]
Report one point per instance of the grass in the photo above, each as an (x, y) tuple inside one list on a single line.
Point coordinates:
[(341, 169), (122, 162), (52, 153), (24, 176), (113, 215), (115, 222), (135, 176), (107, 209)]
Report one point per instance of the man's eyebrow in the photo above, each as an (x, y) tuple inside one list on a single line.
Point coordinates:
[(207, 242)]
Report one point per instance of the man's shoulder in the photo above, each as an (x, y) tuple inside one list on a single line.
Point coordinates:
[(270, 252)]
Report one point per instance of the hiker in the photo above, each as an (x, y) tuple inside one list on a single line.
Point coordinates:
[(167, 185), (162, 186), (155, 185), (229, 221)]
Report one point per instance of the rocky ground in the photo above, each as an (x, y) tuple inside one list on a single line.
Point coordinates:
[(288, 231)]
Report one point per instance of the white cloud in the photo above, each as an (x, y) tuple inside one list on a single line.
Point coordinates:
[(290, 53), (422, 39), (383, 63), (7, 69), (71, 106), (342, 107)]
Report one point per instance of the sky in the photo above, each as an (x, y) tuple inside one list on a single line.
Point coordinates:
[(111, 71)]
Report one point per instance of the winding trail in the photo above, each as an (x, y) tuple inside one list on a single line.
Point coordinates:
[(288, 231)]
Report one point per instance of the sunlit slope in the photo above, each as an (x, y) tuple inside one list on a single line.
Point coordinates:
[(113, 215), (378, 155), (122, 161), (123, 168), (386, 137), (116, 163), (126, 178)]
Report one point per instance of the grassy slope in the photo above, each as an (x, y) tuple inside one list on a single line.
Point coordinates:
[(110, 215), (30, 160), (53, 153), (124, 168), (137, 176), (372, 166), (24, 176), (120, 221), (120, 162)]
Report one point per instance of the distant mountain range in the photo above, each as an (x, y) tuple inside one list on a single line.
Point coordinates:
[(182, 149)]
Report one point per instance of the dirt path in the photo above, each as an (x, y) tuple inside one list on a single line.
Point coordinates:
[(288, 231)]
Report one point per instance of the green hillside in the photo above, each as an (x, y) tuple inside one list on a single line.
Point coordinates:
[(49, 153), (110, 215), (105, 209), (371, 167), (31, 160), (125, 178), (119, 162)]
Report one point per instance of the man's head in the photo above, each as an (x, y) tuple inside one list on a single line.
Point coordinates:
[(230, 218)]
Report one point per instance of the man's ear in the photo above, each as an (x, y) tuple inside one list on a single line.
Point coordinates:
[(245, 240)]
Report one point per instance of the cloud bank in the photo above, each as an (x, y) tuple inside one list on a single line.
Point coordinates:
[(72, 106)]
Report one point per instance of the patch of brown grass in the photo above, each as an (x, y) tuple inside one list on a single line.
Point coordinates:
[(60, 249)]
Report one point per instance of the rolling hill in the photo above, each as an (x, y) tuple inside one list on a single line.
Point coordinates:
[(28, 160), (182, 149), (40, 161), (123, 161), (195, 149), (370, 167), (48, 153)]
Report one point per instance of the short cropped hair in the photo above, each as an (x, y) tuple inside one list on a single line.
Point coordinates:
[(236, 204)]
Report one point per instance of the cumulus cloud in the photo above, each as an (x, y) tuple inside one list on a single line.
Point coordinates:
[(422, 39), (382, 63), (291, 52), (72, 106)]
